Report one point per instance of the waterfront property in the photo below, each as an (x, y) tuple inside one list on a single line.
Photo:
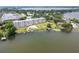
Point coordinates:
[(28, 22), (35, 34)]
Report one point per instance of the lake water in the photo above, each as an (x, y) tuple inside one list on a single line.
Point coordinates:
[(42, 42)]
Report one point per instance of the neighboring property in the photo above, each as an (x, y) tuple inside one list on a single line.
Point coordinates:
[(11, 16), (28, 22)]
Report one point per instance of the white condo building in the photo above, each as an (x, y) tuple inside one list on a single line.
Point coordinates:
[(28, 22)]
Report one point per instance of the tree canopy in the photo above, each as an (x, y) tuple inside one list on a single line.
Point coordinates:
[(67, 27)]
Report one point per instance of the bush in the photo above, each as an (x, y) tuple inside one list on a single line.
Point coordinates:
[(48, 25), (75, 20), (22, 18), (67, 27)]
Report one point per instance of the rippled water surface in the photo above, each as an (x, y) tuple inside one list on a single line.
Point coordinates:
[(42, 42)]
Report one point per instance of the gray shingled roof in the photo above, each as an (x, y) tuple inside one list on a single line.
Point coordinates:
[(9, 16)]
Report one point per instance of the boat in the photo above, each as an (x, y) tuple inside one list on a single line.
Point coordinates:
[(3, 38)]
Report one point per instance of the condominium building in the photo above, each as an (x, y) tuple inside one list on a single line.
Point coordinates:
[(28, 22)]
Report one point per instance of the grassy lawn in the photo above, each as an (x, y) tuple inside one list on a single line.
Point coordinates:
[(2, 33), (41, 27), (54, 26), (21, 30)]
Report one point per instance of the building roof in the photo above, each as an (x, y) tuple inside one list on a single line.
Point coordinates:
[(7, 16), (31, 19)]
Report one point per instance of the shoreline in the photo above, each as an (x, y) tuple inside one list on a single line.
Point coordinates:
[(44, 31)]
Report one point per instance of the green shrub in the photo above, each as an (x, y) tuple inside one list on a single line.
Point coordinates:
[(67, 27)]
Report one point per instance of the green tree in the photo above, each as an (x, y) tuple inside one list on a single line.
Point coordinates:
[(48, 18), (74, 20), (23, 18), (49, 27), (9, 28), (67, 27)]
